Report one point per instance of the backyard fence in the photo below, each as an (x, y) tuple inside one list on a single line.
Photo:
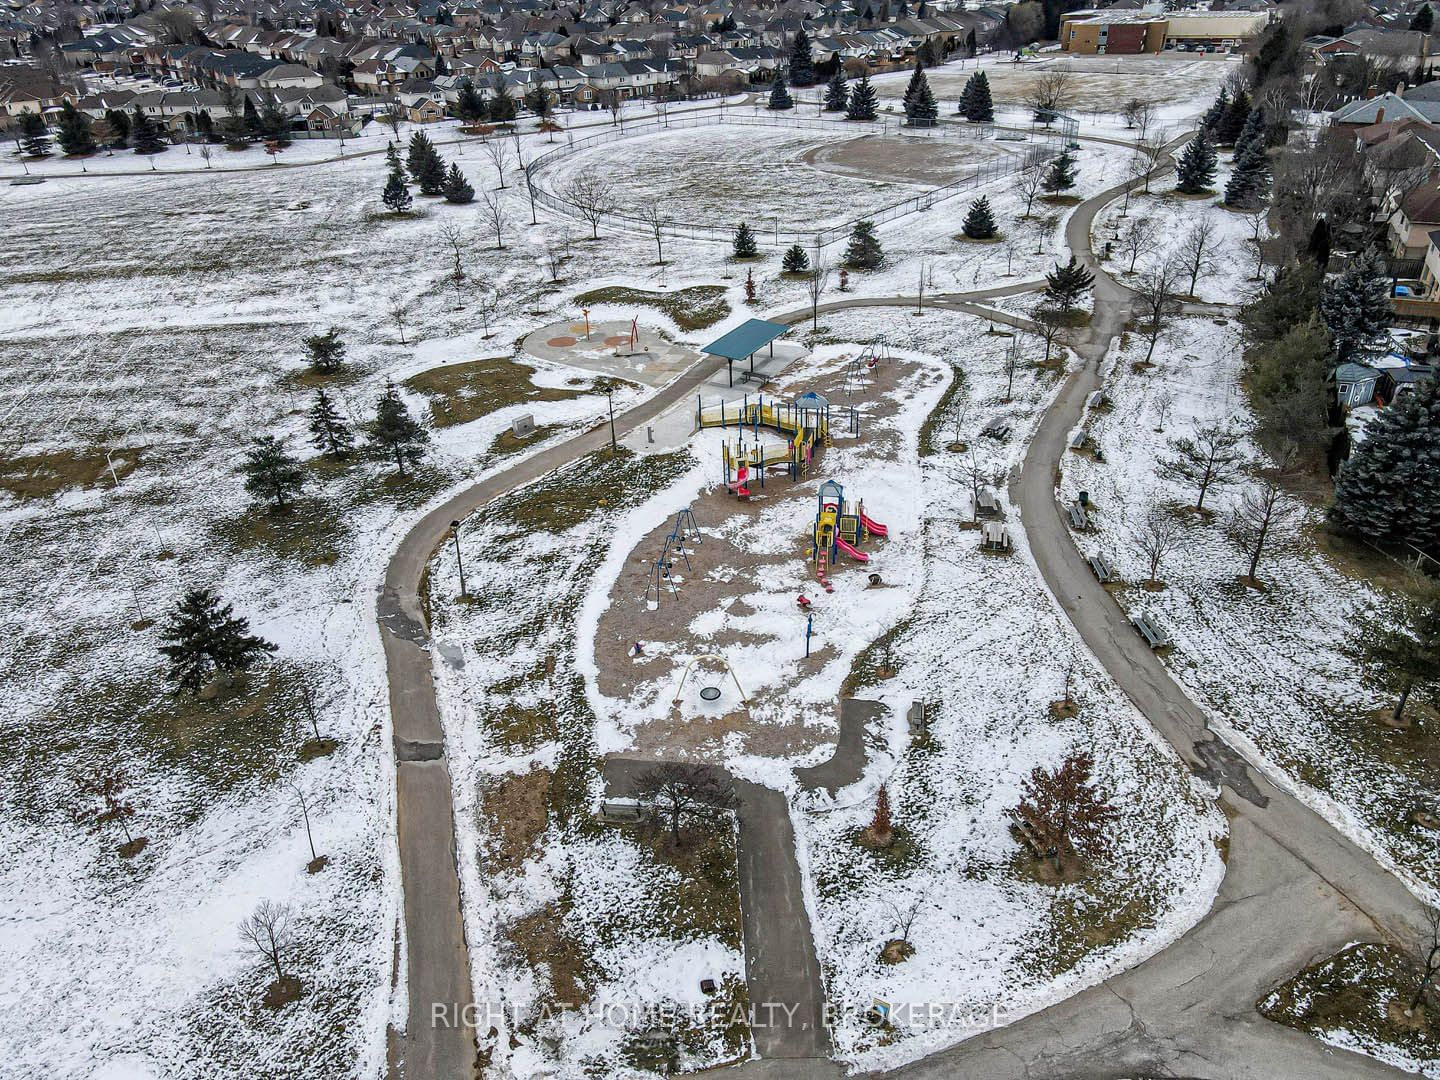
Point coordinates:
[(992, 170)]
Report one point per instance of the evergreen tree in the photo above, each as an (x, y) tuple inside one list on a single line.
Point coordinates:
[(1423, 20), (837, 91), (432, 175), (1216, 110), (802, 60), (967, 97), (1388, 492), (470, 106), (118, 121), (1254, 130), (205, 637), (1067, 283), (1061, 174), (863, 103), (779, 95), (795, 261), (1402, 655), (1249, 181), (1292, 297), (501, 106), (34, 135), (272, 472), (1356, 307), (1317, 249), (979, 220), (1285, 379), (392, 156), (396, 195), (205, 125), (328, 431), (75, 137), (274, 125), (1232, 121), (863, 252), (145, 134), (457, 189), (981, 109), (921, 109), (327, 351), (1196, 168), (744, 242), (252, 117), (420, 154), (538, 102), (913, 86), (395, 432)]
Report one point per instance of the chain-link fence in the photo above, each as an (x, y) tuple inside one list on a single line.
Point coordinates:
[(596, 213)]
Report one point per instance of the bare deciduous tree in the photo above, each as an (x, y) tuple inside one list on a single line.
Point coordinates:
[(495, 210), (592, 195), (1159, 533), (1151, 150), (657, 221), (1137, 240), (1049, 95), (399, 312), (498, 151), (114, 810), (1211, 459), (1253, 521), (681, 791), (1030, 181), (1164, 399), (1197, 251), (270, 932), (1050, 328), (815, 283), (1156, 303), (1427, 960)]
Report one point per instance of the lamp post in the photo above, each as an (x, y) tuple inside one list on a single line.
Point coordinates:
[(459, 563)]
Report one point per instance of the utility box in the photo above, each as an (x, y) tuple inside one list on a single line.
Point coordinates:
[(523, 426)]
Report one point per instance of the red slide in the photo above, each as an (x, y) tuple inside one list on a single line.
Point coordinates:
[(874, 526), (738, 487), (844, 545)]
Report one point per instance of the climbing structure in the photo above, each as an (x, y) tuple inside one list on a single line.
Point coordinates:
[(839, 527), (805, 422)]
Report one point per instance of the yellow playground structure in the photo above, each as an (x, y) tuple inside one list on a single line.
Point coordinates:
[(805, 422)]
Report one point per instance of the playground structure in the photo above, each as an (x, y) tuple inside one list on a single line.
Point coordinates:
[(712, 696), (805, 422), (839, 527), (863, 363), (684, 534)]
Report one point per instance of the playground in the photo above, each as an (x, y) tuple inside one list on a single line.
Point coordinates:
[(737, 613), (618, 348)]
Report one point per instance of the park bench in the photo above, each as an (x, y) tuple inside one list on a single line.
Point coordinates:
[(623, 812), (1077, 439), (1103, 570), (993, 537), (998, 429), (916, 718), (1153, 635), (1079, 519), (986, 504), (1096, 399)]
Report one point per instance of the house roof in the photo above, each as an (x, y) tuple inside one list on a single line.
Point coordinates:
[(746, 339)]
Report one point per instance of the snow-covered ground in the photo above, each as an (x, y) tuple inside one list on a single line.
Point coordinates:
[(1269, 667)]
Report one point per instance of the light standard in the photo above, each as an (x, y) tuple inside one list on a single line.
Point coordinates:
[(459, 563)]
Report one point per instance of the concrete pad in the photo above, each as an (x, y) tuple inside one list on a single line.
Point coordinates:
[(607, 350)]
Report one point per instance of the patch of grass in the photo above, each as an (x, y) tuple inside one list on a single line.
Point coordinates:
[(38, 476), (460, 393), (507, 443), (517, 807), (903, 852), (940, 415), (606, 480), (876, 662), (705, 899), (1352, 992), (694, 308), (543, 943), (309, 531), (1083, 918)]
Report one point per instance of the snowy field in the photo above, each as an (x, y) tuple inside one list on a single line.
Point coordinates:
[(1267, 666)]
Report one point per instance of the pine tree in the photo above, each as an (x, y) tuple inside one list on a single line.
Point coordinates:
[(327, 351), (779, 95), (469, 105), (251, 115), (1067, 283), (272, 472), (979, 220), (395, 432), (1401, 655), (1232, 121), (913, 87), (1356, 307), (795, 261), (921, 109), (501, 106), (982, 105), (1216, 110), (837, 91), (967, 97), (392, 156), (1388, 492), (863, 104), (34, 135), (328, 431), (744, 242), (145, 134), (802, 60), (863, 252), (432, 176), (1061, 174), (538, 102), (274, 124), (1249, 181), (1196, 168), (205, 637), (118, 121), (75, 136), (1254, 130), (457, 189), (396, 195), (421, 152), (1423, 20)]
